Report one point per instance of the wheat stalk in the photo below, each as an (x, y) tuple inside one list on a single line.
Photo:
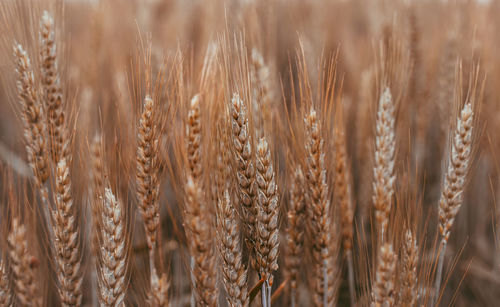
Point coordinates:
[(295, 233), (66, 239), (5, 295), (25, 283), (228, 242), (383, 287), (454, 182), (383, 171), (52, 91), (201, 242), (318, 213), (113, 256), (267, 216)]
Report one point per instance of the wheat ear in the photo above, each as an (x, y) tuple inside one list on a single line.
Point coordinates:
[(201, 242), (383, 287), (295, 233), (113, 256), (52, 91), (318, 212), (408, 286), (385, 145), (25, 287), (32, 115), (66, 240), (5, 295), (267, 216), (454, 182), (245, 172), (159, 290), (193, 129), (228, 242)]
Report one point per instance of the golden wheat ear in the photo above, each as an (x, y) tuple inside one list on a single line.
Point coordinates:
[(5, 294), (383, 286), (409, 280), (228, 241)]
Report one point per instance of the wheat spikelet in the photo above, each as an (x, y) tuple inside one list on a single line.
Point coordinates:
[(147, 177), (295, 232), (383, 287), (33, 116), (228, 242), (199, 233), (267, 216), (159, 290), (408, 286), (245, 172), (66, 240), (25, 286), (113, 255), (385, 144), (318, 212), (52, 91), (5, 295), (193, 129)]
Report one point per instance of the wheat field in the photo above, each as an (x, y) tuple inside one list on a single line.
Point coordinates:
[(249, 153)]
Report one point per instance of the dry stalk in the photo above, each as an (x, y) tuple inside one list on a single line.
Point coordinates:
[(201, 242), (66, 240), (385, 145), (267, 216), (25, 286), (113, 256), (295, 233), (228, 242), (383, 287)]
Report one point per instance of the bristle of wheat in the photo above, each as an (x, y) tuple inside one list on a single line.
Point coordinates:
[(32, 115), (201, 245), (228, 242), (113, 254), (383, 287), (25, 282), (385, 146), (66, 240)]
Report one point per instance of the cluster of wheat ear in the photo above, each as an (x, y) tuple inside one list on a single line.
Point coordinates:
[(248, 153)]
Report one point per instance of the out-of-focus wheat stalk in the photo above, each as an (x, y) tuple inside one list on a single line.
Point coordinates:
[(267, 217), (228, 242), (454, 182), (385, 146), (25, 279), (113, 252), (66, 239), (201, 245), (295, 232), (5, 295)]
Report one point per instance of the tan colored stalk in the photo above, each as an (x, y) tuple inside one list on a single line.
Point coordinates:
[(343, 197), (52, 91), (408, 286), (32, 115), (201, 242), (66, 239), (5, 295), (383, 171), (383, 287), (454, 182), (267, 216), (113, 256), (295, 233), (318, 214), (25, 285), (228, 242), (245, 172)]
